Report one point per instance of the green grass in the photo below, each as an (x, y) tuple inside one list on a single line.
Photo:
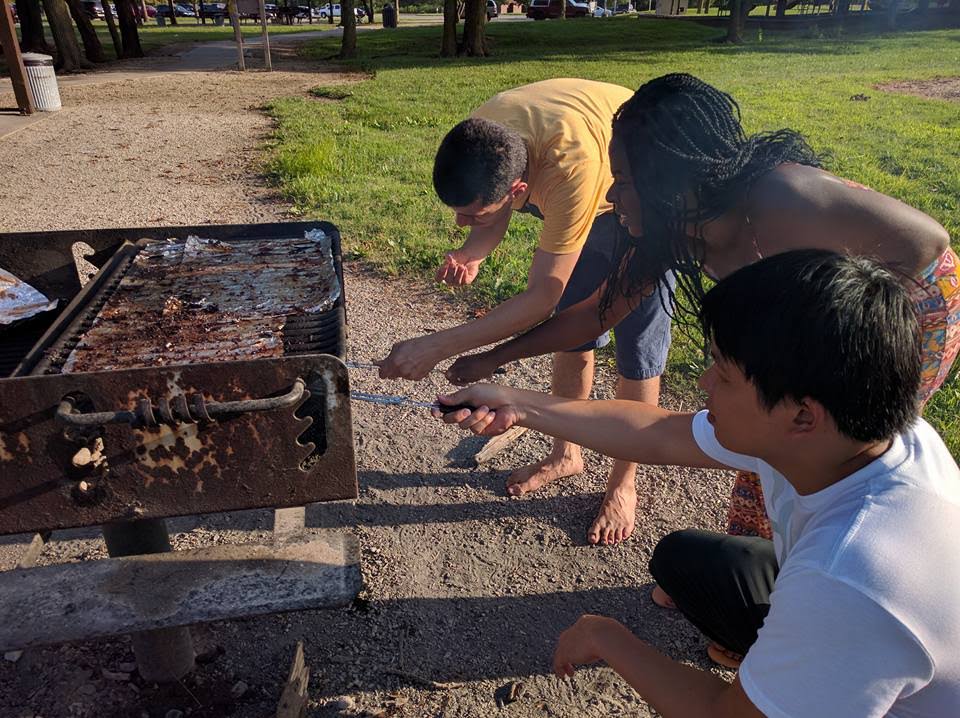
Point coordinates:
[(364, 161)]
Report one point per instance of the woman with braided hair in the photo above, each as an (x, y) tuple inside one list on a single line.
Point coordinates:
[(696, 195)]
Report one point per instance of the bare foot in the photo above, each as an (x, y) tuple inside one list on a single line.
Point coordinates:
[(724, 656), (617, 516), (662, 598), (532, 477)]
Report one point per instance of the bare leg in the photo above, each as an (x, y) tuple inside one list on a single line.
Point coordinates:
[(617, 516), (572, 379)]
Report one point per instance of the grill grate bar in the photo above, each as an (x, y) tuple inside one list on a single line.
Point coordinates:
[(198, 300)]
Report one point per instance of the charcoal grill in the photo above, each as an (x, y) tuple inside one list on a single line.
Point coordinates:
[(200, 370)]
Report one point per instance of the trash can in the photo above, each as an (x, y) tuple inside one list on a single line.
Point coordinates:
[(218, 20), (161, 20), (389, 16), (42, 81)]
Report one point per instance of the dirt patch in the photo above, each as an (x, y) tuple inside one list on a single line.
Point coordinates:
[(939, 88), (465, 589)]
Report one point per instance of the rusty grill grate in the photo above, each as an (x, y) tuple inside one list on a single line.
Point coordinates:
[(204, 300)]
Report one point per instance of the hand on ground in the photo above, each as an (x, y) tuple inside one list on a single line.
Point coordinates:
[(411, 359), (457, 269), (577, 645), (471, 368)]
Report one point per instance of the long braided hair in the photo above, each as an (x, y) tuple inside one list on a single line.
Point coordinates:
[(691, 162)]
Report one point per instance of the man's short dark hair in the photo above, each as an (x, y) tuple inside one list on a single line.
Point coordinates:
[(811, 323), (478, 159)]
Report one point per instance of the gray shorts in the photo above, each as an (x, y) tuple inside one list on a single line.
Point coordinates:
[(643, 336)]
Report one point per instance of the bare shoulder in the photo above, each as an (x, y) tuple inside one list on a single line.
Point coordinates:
[(803, 206), (801, 188)]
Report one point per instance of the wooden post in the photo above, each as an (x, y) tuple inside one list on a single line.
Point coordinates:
[(266, 37), (237, 35), (11, 52)]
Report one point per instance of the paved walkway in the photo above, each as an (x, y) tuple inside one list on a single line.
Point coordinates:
[(201, 57)]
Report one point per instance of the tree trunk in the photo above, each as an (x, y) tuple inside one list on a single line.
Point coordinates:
[(348, 45), (31, 27), (734, 28), (781, 8), (91, 43), (474, 29), (370, 12), (448, 45), (892, 14), (128, 29), (173, 13), (843, 7), (112, 26), (69, 58)]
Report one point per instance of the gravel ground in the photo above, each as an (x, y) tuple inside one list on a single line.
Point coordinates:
[(465, 589)]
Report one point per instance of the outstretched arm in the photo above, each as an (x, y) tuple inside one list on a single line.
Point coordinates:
[(569, 329), (672, 688), (628, 430), (549, 273)]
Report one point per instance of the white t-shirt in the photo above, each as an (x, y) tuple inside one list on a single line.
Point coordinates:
[(865, 612)]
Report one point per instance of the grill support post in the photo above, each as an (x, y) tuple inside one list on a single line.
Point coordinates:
[(166, 654)]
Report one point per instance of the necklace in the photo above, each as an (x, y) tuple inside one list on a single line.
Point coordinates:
[(753, 236)]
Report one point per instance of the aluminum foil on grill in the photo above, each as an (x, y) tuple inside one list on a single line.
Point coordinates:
[(18, 300), (205, 300)]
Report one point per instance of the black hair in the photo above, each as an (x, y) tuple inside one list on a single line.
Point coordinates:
[(478, 159), (841, 330), (683, 141)]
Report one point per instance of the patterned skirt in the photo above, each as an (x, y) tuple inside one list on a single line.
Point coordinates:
[(936, 292)]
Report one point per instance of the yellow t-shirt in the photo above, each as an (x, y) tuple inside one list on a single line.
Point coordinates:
[(566, 124)]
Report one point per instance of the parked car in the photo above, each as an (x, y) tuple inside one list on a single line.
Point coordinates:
[(325, 11), (179, 11), (551, 9), (94, 9), (213, 9)]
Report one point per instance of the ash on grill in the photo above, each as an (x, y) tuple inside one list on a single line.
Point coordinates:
[(204, 300)]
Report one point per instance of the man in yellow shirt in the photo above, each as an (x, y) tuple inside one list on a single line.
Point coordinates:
[(543, 149)]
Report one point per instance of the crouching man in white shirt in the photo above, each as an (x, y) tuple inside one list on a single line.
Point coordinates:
[(854, 608)]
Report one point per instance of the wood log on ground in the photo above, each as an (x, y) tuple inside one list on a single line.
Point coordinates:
[(498, 444), (293, 700)]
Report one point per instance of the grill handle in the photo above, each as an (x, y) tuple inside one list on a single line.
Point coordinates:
[(179, 410)]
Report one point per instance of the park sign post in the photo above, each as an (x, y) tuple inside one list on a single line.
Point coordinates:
[(11, 51)]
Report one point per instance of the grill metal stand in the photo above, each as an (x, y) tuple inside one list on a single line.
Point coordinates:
[(123, 449), (164, 655)]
